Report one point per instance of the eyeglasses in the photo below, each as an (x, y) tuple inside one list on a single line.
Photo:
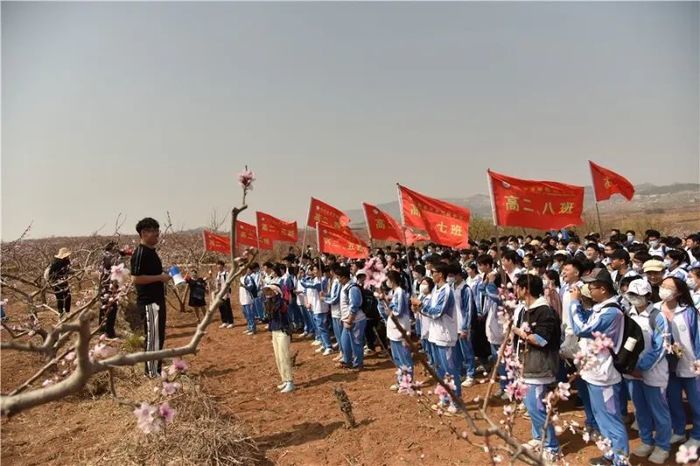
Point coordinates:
[(594, 287)]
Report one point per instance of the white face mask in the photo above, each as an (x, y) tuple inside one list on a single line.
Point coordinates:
[(424, 289), (668, 263), (630, 238), (636, 301), (451, 280), (637, 267), (389, 284), (665, 294), (653, 243), (691, 283), (545, 283)]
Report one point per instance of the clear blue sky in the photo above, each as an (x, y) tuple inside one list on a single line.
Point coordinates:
[(146, 107)]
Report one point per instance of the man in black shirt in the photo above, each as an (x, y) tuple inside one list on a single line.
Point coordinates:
[(150, 281)]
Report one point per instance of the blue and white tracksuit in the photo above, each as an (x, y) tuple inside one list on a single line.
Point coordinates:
[(334, 302), (352, 340), (399, 307), (442, 332), (258, 301), (246, 295), (649, 393), (684, 331), (603, 380), (464, 301), (488, 301), (320, 310)]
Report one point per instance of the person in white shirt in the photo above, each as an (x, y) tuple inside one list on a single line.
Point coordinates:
[(647, 385), (246, 295), (225, 305), (397, 303), (676, 262), (602, 379), (693, 282), (677, 306)]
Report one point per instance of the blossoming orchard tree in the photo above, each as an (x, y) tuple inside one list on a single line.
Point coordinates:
[(74, 353)]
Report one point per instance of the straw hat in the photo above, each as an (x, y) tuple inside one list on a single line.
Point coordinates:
[(63, 253)]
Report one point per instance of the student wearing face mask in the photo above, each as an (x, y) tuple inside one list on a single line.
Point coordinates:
[(425, 290), (638, 260), (464, 302), (677, 306), (441, 311), (397, 303), (676, 262), (647, 385), (693, 282)]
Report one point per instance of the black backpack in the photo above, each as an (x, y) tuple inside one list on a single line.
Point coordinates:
[(366, 301), (625, 361)]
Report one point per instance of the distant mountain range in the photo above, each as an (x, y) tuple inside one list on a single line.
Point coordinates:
[(647, 196)]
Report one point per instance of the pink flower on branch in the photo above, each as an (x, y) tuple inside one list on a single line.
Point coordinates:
[(246, 178)]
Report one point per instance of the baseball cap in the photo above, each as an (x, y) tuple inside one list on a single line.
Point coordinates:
[(639, 287), (598, 275), (654, 265)]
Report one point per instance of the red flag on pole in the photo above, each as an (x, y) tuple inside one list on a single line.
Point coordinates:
[(446, 224), (543, 205), (246, 235), (412, 237), (216, 243), (341, 242), (265, 243), (275, 229), (381, 226), (607, 182), (326, 214)]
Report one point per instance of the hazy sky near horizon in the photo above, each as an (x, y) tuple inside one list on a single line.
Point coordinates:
[(141, 108)]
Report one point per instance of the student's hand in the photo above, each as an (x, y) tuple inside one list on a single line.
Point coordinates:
[(464, 335), (575, 293), (491, 277), (636, 374), (415, 302), (165, 278)]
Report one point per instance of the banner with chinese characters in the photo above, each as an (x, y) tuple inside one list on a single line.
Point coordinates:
[(447, 224), (326, 214), (272, 228), (607, 182), (246, 234), (413, 237), (341, 242), (380, 225), (216, 243), (542, 205)]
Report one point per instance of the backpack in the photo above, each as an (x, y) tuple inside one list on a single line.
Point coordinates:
[(366, 303), (625, 361)]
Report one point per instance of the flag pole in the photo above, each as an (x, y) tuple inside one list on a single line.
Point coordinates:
[(306, 228), (495, 227), (597, 211), (369, 230), (403, 220)]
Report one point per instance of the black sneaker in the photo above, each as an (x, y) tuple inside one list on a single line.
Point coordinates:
[(600, 461)]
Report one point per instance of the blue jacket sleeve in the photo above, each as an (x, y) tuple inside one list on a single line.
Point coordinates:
[(398, 304), (467, 308), (355, 299), (334, 298), (656, 352), (309, 283), (443, 301), (694, 331), (580, 320)]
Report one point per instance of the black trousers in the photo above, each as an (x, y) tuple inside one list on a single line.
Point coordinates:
[(225, 311), (63, 298), (154, 333), (375, 332), (108, 318)]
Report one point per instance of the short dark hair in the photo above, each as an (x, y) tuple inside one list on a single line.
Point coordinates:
[(485, 259), (420, 269), (343, 272), (220, 262), (442, 268), (575, 263), (532, 283), (147, 223)]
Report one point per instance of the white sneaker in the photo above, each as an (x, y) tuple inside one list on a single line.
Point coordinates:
[(327, 351), (281, 386), (229, 326), (303, 335), (288, 387), (315, 343), (677, 439), (246, 332), (368, 352), (692, 443), (468, 382), (659, 456), (635, 426), (533, 444), (319, 350), (643, 450), (222, 325), (338, 358), (334, 346)]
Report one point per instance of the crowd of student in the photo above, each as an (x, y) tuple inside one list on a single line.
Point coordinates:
[(566, 297)]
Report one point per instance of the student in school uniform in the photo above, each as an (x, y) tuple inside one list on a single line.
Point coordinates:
[(676, 263), (602, 379), (321, 311), (352, 319), (397, 303), (443, 330), (647, 385), (247, 292), (677, 306), (464, 303), (333, 300)]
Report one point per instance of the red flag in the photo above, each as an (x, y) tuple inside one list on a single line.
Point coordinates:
[(275, 229), (216, 243), (246, 234), (412, 237), (265, 243), (326, 214), (341, 242), (447, 224), (607, 182), (543, 205), (381, 226)]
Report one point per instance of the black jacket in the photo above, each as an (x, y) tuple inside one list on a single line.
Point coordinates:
[(540, 362)]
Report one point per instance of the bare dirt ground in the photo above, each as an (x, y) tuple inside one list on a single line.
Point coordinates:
[(302, 428)]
